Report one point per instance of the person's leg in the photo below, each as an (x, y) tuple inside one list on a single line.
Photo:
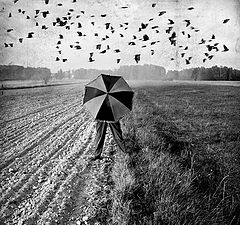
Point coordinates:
[(117, 135), (101, 128)]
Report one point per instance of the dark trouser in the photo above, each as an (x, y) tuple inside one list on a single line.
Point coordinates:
[(101, 128)]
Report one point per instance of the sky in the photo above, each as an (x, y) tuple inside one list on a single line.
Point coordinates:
[(40, 51)]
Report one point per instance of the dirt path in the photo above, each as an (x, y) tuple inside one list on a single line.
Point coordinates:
[(45, 174)]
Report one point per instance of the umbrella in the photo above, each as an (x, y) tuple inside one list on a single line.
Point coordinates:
[(108, 98)]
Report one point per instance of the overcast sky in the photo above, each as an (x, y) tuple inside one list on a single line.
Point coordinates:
[(40, 51)]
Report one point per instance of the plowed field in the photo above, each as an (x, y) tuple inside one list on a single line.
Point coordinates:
[(45, 176)]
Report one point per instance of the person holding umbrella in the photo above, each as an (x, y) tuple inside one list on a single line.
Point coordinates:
[(108, 98)]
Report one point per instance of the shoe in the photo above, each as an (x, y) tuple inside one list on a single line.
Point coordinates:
[(94, 158)]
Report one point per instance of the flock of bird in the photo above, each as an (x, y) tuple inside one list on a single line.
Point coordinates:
[(141, 38)]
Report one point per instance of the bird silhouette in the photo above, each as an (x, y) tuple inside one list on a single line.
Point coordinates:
[(152, 51), (64, 60), (15, 1), (187, 22), (45, 13), (131, 43), (104, 51), (5, 45), (46, 2), (144, 26), (137, 58), (169, 30), (78, 47), (226, 20), (57, 59), (9, 30), (30, 35), (187, 61), (170, 21), (117, 50), (161, 13), (107, 25), (118, 60), (204, 60), (190, 8), (145, 37), (225, 49), (153, 5), (202, 41), (20, 40), (103, 15), (210, 57), (98, 46), (10, 15), (44, 27)]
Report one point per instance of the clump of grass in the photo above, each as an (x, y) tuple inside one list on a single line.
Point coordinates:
[(170, 176)]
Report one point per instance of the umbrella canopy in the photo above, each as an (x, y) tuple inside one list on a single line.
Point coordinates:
[(108, 98)]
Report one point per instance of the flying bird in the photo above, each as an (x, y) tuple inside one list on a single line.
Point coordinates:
[(107, 25), (9, 30), (117, 50), (5, 45), (153, 5), (187, 22), (170, 21), (169, 30), (118, 60), (10, 15), (226, 20), (124, 7), (187, 61), (210, 57), (15, 1), (225, 48), (152, 51), (190, 8), (202, 41), (137, 58), (144, 26), (78, 47), (102, 52), (98, 46), (60, 36), (64, 60), (46, 2), (145, 37), (103, 15), (20, 40), (161, 13), (30, 35), (45, 13), (57, 59), (91, 60)]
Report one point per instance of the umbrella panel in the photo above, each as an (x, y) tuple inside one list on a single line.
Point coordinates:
[(91, 92)]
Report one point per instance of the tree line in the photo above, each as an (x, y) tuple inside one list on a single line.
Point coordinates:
[(129, 72), (15, 72), (214, 73)]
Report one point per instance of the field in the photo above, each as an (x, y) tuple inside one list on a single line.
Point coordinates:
[(181, 166)]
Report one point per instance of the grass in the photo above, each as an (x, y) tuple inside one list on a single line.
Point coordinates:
[(183, 162)]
